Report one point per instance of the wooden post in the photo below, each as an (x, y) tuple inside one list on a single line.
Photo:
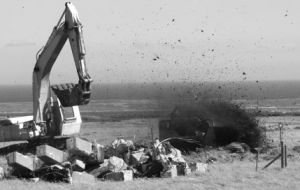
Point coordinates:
[(256, 165), (256, 158), (281, 144), (272, 161), (285, 156), (282, 154)]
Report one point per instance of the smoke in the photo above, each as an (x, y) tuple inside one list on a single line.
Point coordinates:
[(231, 123)]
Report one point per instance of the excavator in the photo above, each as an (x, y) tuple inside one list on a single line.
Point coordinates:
[(55, 107)]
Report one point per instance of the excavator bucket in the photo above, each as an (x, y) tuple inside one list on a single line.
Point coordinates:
[(71, 94)]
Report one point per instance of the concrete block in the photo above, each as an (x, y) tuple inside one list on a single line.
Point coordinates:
[(172, 172), (1, 173), (126, 175), (97, 157), (198, 167), (80, 147), (21, 161), (99, 151), (78, 165), (50, 155), (82, 178)]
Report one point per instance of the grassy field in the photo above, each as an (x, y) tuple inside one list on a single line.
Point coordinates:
[(107, 120), (235, 175)]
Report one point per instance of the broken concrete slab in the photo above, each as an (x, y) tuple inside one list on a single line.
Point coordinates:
[(116, 164), (198, 167), (135, 158), (97, 157), (125, 175), (171, 173), (78, 165), (101, 170), (18, 160), (78, 146), (50, 155), (82, 178)]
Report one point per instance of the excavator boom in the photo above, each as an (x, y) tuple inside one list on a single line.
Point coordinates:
[(68, 94)]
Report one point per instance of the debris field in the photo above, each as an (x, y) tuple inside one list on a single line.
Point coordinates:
[(82, 161)]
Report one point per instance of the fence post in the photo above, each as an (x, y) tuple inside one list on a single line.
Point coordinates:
[(285, 156)]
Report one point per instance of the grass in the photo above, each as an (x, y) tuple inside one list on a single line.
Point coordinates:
[(236, 175)]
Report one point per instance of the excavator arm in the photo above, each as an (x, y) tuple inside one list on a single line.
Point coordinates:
[(68, 94)]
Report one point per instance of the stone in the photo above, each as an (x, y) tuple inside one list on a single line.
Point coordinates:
[(82, 178), (171, 173), (18, 160), (50, 155), (78, 146), (78, 165), (198, 167), (116, 164), (125, 175)]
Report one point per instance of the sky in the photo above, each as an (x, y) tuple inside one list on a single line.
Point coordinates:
[(146, 41)]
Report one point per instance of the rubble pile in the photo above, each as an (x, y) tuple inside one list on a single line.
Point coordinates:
[(85, 162)]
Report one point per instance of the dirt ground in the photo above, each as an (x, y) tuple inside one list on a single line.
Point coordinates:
[(230, 171)]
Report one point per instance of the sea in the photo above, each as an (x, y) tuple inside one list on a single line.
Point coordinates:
[(157, 91)]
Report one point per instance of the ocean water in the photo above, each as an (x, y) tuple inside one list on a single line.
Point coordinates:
[(157, 91)]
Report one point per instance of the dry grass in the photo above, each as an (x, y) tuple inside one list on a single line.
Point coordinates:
[(236, 175)]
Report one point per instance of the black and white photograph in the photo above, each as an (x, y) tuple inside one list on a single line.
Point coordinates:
[(150, 94)]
